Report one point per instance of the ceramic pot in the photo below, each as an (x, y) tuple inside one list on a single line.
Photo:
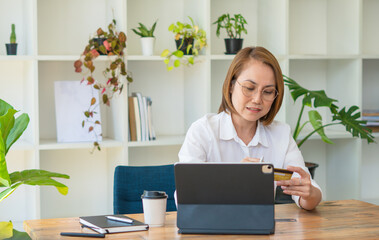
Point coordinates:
[(233, 45), (183, 48), (147, 44), (11, 48)]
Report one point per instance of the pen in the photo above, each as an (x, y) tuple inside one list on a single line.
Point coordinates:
[(74, 234), (120, 219)]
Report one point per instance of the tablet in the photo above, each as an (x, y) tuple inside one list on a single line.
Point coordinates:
[(225, 198)]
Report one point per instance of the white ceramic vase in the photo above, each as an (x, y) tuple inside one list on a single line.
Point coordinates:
[(147, 44)]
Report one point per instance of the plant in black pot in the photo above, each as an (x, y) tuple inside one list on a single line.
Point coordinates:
[(190, 40), (349, 118), (234, 27), (12, 46)]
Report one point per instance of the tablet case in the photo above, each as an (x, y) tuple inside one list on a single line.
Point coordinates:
[(223, 198)]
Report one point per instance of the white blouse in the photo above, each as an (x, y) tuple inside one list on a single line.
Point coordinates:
[(213, 138)]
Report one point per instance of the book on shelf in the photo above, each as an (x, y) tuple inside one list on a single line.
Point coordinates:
[(144, 129), (132, 120), (371, 118), (138, 119), (374, 128), (372, 124), (103, 224), (146, 123), (150, 117), (370, 112), (141, 114)]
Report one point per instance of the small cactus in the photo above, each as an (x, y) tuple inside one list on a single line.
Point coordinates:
[(13, 34)]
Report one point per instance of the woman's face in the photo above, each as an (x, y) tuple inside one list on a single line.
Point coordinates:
[(253, 92)]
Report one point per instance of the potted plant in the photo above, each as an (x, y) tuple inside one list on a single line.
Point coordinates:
[(315, 99), (147, 38), (11, 129), (234, 27), (12, 46), (114, 74), (189, 39)]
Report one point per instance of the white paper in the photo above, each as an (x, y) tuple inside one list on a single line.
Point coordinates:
[(72, 99)]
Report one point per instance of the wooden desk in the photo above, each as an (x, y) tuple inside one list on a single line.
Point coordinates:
[(348, 219)]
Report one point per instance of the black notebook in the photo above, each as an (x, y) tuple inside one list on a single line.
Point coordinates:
[(102, 224)]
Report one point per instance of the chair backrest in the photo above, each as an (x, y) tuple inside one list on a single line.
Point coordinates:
[(131, 181)]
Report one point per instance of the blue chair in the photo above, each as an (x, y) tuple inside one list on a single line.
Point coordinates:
[(130, 182)]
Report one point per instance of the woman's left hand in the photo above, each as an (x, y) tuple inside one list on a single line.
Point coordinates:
[(297, 186)]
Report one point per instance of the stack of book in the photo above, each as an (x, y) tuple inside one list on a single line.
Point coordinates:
[(372, 118), (140, 118)]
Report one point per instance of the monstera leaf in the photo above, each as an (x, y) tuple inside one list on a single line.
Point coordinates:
[(316, 121), (320, 98), (356, 127), (315, 99)]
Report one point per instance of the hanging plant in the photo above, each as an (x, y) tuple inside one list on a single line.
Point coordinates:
[(112, 44)]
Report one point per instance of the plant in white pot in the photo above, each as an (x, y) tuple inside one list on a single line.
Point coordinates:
[(147, 38), (234, 27)]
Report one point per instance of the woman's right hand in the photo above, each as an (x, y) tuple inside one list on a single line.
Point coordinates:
[(249, 159)]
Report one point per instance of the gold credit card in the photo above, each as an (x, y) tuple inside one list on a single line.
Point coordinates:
[(282, 174)]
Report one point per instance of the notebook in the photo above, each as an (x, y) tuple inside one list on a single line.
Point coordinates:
[(102, 224), (225, 198)]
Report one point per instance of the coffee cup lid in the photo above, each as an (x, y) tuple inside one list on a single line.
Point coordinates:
[(153, 194)]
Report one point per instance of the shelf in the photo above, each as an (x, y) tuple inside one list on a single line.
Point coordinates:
[(331, 134), (16, 58), (370, 56), (144, 58), (223, 57), (323, 56), (58, 57), (52, 144), (71, 58), (160, 141)]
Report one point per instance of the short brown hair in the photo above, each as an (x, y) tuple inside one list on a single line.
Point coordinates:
[(236, 67)]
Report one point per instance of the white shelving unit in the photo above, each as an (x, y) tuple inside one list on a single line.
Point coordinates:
[(322, 44)]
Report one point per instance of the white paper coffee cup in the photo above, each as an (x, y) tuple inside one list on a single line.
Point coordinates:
[(154, 207)]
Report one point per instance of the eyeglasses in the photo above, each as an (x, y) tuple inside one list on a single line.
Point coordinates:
[(267, 94)]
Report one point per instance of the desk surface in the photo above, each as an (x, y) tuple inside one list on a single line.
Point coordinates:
[(347, 219)]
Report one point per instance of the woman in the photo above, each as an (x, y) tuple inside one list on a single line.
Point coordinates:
[(244, 129)]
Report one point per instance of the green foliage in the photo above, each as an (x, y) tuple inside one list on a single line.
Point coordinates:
[(315, 99), (13, 34), (185, 32), (11, 129), (8, 233), (234, 26), (144, 31), (114, 74)]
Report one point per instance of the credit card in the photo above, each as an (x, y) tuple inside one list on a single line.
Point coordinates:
[(282, 174)]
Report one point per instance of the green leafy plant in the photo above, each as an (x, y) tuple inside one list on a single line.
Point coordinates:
[(315, 99), (11, 129), (144, 31), (13, 34), (187, 33), (114, 74), (234, 26)]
